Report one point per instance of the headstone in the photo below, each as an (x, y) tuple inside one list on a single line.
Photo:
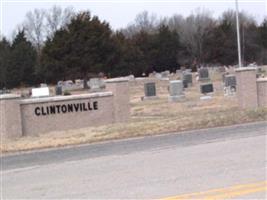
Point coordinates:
[(203, 74), (58, 90), (206, 88), (70, 86), (165, 74), (230, 81), (223, 76), (259, 72), (158, 76), (40, 92), (43, 85), (185, 84), (176, 91), (4, 91), (150, 91), (60, 83), (221, 69), (187, 76), (179, 72), (229, 85), (95, 84), (130, 77), (68, 83), (78, 82), (153, 74)]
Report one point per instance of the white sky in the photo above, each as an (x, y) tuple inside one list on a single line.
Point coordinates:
[(119, 13)]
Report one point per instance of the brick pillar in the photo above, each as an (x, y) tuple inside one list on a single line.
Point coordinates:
[(10, 116), (262, 92), (246, 88), (120, 89)]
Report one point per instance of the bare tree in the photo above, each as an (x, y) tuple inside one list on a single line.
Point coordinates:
[(194, 30), (146, 22), (56, 18), (143, 22), (175, 22), (34, 26), (40, 24)]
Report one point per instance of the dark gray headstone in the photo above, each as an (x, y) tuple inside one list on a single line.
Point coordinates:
[(230, 81), (58, 90), (185, 84), (206, 88), (150, 89), (203, 74), (187, 76)]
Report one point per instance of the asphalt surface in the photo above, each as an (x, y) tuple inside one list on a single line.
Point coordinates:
[(149, 167)]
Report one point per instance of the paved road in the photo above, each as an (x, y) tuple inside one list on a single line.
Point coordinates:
[(231, 160)]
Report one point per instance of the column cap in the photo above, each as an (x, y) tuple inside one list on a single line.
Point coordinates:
[(9, 96), (240, 69), (262, 80), (116, 80)]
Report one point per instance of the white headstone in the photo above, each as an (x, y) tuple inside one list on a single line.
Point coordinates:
[(43, 85), (40, 92)]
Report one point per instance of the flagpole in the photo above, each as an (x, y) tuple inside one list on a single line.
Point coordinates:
[(238, 35)]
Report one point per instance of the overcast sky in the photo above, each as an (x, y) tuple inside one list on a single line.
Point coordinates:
[(120, 13)]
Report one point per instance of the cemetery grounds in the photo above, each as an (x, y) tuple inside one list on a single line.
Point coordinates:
[(152, 117)]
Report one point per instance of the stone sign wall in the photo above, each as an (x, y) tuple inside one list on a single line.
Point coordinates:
[(34, 116), (62, 113)]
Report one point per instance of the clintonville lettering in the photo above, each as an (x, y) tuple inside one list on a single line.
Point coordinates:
[(65, 108)]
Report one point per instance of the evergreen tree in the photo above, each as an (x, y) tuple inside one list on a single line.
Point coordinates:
[(130, 59), (85, 45), (166, 46), (21, 68), (263, 33), (4, 60)]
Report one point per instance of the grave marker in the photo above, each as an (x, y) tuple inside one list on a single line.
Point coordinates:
[(96, 84), (206, 88), (229, 85), (176, 90), (40, 92), (203, 74), (150, 91), (187, 77), (230, 81)]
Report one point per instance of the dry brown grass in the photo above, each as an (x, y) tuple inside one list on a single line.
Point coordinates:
[(152, 117)]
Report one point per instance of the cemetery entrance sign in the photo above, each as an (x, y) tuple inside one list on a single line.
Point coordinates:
[(35, 116), (65, 108)]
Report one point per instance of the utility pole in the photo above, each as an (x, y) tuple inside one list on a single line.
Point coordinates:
[(238, 35)]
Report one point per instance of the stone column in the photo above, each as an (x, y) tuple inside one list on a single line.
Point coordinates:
[(246, 88), (10, 116), (121, 101), (262, 92)]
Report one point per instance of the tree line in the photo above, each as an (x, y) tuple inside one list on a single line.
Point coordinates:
[(59, 44)]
